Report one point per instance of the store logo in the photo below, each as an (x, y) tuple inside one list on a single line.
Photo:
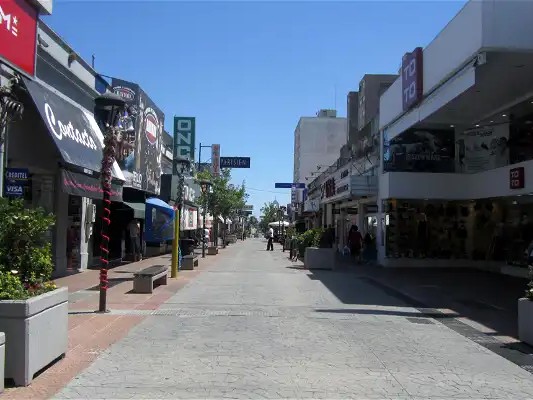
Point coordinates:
[(9, 22), (151, 125), (412, 78), (125, 92), (61, 129)]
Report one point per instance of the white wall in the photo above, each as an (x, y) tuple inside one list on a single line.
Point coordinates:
[(487, 184), (320, 142), (507, 24)]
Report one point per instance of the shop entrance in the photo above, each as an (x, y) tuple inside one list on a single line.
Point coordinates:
[(73, 233)]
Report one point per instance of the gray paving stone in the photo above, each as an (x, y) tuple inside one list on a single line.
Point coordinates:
[(250, 327)]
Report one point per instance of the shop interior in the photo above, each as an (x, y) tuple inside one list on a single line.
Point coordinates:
[(491, 229)]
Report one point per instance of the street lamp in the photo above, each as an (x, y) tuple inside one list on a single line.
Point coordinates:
[(182, 165), (109, 110), (283, 208), (205, 186)]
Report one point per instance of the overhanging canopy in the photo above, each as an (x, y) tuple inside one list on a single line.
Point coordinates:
[(139, 209), (278, 223)]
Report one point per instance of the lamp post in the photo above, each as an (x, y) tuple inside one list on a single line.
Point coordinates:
[(10, 108), (283, 208), (110, 112), (205, 186), (182, 165)]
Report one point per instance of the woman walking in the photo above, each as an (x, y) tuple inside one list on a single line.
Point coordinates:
[(355, 241)]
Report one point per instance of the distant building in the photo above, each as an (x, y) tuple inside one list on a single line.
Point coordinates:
[(317, 142)]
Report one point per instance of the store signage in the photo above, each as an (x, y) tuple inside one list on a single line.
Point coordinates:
[(328, 188), (184, 137), (248, 207), (352, 210), (289, 185), (517, 178), (18, 34), (234, 162), (215, 159), (371, 208), (343, 188), (138, 153), (16, 180), (412, 78)]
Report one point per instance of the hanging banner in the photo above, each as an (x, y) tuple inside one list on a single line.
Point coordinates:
[(138, 152), (482, 149), (215, 159)]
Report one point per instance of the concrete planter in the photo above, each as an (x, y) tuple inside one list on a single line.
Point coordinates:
[(525, 320), (317, 258), (2, 359), (36, 333), (212, 251)]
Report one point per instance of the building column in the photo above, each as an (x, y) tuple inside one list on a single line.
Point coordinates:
[(60, 230)]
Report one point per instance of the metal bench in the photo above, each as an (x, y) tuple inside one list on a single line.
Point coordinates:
[(144, 280), (189, 262)]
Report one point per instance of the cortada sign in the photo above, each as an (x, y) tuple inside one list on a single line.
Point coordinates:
[(67, 130), (18, 34)]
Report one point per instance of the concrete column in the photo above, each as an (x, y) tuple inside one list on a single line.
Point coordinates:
[(85, 232), (60, 231)]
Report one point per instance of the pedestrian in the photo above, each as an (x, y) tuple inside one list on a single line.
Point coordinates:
[(134, 230), (270, 237), (355, 241)]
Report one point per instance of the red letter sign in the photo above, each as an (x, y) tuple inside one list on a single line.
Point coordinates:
[(18, 34)]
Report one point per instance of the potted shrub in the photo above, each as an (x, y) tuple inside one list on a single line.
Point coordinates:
[(525, 312), (33, 312), (316, 256)]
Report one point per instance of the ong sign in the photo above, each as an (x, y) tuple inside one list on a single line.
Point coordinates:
[(412, 78), (184, 136), (18, 34), (215, 159)]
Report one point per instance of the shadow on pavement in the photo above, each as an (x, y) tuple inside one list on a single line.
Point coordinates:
[(388, 312), (483, 297)]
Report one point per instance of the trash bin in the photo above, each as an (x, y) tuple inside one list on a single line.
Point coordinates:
[(186, 246)]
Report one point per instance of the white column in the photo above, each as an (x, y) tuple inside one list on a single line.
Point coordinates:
[(85, 232)]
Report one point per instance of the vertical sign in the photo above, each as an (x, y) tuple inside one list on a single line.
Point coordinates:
[(215, 159), (517, 178), (184, 137), (412, 78)]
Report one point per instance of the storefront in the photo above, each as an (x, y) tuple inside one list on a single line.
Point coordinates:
[(454, 186), (64, 171)]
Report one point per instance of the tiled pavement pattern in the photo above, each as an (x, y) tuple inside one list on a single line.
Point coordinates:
[(253, 326)]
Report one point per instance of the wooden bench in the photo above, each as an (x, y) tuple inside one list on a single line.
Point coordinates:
[(189, 262), (144, 280)]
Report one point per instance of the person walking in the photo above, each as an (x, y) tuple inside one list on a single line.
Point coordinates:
[(270, 237), (355, 241), (134, 230)]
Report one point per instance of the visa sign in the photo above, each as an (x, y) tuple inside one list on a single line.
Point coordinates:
[(184, 137)]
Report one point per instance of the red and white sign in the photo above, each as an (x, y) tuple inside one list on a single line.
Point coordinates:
[(215, 159), (517, 178), (412, 78), (18, 34)]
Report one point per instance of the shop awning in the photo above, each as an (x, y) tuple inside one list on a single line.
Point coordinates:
[(158, 203), (159, 224), (139, 209), (73, 129), (87, 186)]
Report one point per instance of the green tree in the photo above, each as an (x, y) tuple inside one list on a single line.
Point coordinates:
[(225, 199), (253, 221), (269, 214)]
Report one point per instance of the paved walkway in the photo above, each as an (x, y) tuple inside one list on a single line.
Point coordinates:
[(254, 325)]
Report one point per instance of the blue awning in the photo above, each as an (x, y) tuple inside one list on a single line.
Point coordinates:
[(159, 220), (158, 203)]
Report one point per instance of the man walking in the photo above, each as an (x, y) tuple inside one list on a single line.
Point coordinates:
[(134, 230), (270, 236)]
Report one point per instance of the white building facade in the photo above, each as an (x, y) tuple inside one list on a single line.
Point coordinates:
[(456, 175)]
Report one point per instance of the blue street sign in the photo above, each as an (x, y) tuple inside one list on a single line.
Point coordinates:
[(289, 185), (234, 162)]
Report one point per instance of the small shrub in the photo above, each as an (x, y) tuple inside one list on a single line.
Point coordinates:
[(25, 253)]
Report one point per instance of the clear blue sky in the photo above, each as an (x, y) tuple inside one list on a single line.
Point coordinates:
[(248, 70)]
